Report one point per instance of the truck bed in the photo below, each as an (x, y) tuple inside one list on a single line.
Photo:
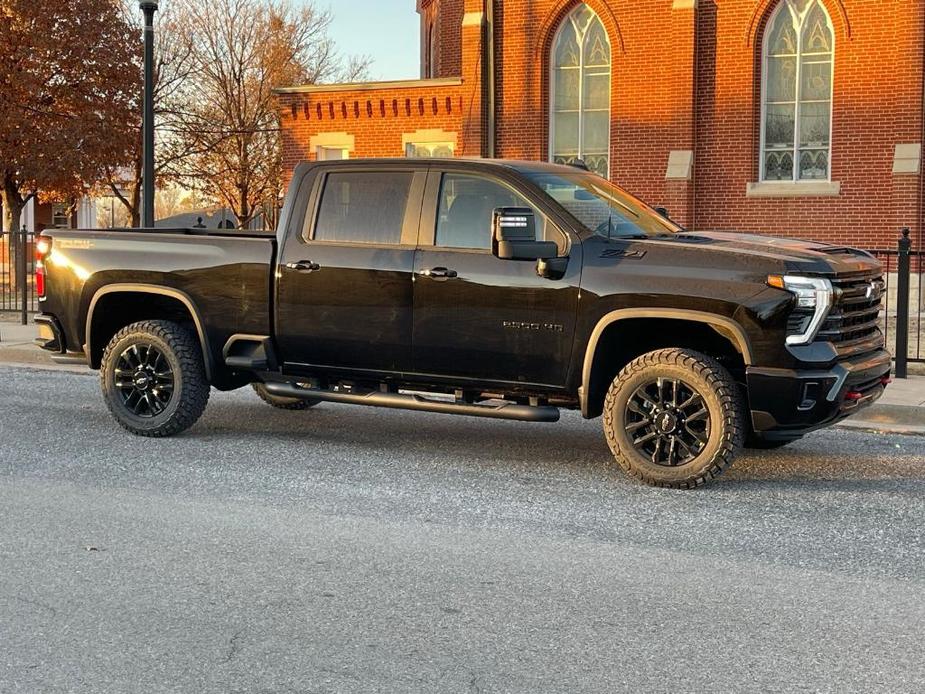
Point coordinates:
[(225, 275)]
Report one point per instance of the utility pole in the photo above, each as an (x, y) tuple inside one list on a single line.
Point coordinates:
[(149, 7)]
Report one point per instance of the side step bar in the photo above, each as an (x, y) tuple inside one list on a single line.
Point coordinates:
[(523, 413)]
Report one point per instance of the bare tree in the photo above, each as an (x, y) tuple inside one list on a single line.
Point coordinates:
[(173, 66), (223, 129)]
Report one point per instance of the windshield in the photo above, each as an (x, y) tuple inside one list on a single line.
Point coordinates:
[(602, 207)]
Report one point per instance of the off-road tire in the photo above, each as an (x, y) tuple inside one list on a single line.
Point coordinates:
[(280, 402), (181, 351), (721, 397)]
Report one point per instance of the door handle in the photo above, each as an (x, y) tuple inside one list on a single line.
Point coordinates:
[(303, 266), (438, 273)]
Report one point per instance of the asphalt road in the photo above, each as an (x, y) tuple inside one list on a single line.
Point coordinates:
[(358, 550)]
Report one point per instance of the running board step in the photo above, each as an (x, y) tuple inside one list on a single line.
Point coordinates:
[(243, 363), (506, 410)]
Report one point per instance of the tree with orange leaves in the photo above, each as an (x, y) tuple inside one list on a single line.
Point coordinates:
[(68, 84)]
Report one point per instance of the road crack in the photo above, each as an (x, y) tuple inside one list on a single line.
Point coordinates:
[(234, 646)]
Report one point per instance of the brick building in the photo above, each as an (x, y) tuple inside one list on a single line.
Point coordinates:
[(793, 117)]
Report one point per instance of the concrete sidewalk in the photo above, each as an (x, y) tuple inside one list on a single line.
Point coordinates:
[(901, 410), (16, 345)]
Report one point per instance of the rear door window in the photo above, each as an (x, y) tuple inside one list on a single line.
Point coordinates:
[(364, 207)]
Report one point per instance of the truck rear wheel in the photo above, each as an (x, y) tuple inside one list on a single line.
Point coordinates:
[(153, 378), (674, 418), (280, 402)]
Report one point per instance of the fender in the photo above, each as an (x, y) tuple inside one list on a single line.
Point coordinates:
[(726, 327), (150, 289)]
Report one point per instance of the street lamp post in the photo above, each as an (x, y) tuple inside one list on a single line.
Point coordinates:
[(149, 7)]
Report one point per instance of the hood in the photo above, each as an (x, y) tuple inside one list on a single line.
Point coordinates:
[(793, 255)]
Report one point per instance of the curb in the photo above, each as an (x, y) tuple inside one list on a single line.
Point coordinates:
[(891, 419), (31, 357), (36, 366), (881, 428)]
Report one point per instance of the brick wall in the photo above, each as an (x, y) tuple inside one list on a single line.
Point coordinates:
[(685, 78), (877, 104), (375, 118)]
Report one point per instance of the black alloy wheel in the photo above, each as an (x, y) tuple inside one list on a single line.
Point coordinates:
[(675, 418), (668, 421), (145, 380), (153, 378)]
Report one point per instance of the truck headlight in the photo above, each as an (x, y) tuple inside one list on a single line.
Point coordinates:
[(813, 294)]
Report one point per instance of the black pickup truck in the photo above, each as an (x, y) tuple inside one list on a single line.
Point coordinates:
[(488, 288)]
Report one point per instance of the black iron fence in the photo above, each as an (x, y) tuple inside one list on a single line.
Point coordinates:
[(17, 273), (901, 318), (904, 301)]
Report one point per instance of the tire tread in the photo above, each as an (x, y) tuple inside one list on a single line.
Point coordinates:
[(194, 394), (727, 391)]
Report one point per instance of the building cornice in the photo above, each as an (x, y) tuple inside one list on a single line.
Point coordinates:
[(370, 86)]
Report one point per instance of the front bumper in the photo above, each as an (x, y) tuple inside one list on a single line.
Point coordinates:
[(787, 403)]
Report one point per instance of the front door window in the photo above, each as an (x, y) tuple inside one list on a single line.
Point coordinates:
[(464, 216)]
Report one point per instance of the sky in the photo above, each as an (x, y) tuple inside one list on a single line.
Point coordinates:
[(385, 30)]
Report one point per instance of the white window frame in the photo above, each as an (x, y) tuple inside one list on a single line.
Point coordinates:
[(345, 152), (581, 92), (431, 138), (783, 6), (410, 146), (65, 213), (332, 141)]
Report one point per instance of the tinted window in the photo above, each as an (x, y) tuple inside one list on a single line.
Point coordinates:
[(466, 206), (363, 207)]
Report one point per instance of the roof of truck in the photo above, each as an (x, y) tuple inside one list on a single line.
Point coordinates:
[(521, 166)]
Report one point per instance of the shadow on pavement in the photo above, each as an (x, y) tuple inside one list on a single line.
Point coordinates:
[(833, 459)]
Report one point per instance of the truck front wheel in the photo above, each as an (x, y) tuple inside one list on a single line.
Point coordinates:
[(153, 378), (674, 418)]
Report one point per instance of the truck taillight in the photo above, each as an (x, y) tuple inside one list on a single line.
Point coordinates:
[(39, 279), (42, 249)]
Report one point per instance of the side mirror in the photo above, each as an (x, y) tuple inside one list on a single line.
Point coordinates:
[(513, 236), (663, 211)]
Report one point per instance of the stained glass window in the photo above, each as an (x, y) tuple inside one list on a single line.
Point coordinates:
[(797, 93), (580, 113)]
